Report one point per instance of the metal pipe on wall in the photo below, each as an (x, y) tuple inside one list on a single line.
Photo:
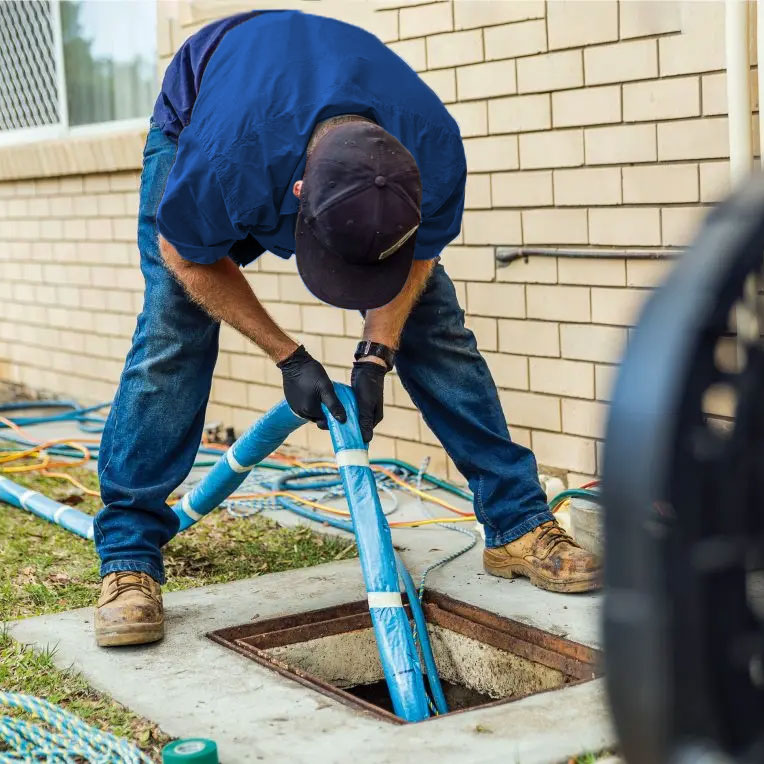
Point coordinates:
[(760, 47), (738, 90), (740, 136)]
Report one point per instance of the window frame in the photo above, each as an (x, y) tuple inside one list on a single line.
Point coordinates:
[(62, 129)]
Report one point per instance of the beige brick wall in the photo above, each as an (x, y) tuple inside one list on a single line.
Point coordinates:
[(587, 123)]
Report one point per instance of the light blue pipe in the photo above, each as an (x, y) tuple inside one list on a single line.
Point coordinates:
[(61, 514), (416, 607), (261, 440), (400, 661)]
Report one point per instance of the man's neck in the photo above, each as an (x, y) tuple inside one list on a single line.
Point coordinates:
[(322, 128)]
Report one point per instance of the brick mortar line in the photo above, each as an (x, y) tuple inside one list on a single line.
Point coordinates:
[(551, 51), (265, 383)]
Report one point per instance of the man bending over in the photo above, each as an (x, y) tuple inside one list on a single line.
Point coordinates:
[(297, 134)]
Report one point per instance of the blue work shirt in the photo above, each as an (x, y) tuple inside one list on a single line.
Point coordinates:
[(242, 98)]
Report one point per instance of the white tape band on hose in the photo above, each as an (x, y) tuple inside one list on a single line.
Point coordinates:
[(90, 532), (385, 599), (28, 495), (185, 505), (57, 514), (233, 464), (353, 457)]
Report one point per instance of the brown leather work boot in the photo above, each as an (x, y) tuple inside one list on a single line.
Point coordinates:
[(548, 557), (129, 610)]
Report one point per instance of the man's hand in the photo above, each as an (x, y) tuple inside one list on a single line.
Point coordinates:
[(368, 382), (307, 386)]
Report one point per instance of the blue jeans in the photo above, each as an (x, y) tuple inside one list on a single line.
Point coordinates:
[(156, 421)]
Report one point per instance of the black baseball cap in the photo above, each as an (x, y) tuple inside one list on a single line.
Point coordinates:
[(359, 213)]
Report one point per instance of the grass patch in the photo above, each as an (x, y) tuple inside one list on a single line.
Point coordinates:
[(23, 670), (45, 569), (591, 758)]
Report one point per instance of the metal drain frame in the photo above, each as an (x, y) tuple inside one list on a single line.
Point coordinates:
[(577, 662)]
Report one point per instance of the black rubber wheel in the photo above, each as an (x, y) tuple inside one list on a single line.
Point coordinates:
[(683, 482)]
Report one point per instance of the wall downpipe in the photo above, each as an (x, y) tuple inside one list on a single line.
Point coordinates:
[(741, 141), (759, 11), (738, 90)]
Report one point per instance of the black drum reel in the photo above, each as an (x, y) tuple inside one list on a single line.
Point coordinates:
[(683, 489)]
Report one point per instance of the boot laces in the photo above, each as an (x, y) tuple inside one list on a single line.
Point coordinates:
[(552, 535), (127, 580)]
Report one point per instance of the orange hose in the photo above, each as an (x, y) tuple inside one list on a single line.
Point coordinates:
[(344, 513), (72, 480), (423, 494)]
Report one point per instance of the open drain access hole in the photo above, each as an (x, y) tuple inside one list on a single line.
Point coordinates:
[(483, 659)]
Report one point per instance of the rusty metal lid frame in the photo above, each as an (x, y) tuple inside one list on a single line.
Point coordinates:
[(578, 663)]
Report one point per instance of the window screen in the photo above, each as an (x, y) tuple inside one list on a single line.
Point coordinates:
[(28, 90), (106, 52)]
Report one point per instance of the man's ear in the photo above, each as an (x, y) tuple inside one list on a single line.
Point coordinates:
[(297, 188)]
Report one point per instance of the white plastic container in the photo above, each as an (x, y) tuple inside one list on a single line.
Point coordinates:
[(586, 524)]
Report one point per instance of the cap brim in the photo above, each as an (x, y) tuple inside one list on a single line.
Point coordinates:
[(348, 285)]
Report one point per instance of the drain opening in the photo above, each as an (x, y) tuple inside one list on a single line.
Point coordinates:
[(483, 659), (458, 696)]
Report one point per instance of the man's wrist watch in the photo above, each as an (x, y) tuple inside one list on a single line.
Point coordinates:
[(378, 350)]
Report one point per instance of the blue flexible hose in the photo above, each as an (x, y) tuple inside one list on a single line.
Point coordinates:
[(261, 440), (400, 660), (395, 641), (71, 519)]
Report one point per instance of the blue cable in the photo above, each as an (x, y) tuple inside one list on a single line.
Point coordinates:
[(87, 423), (424, 638)]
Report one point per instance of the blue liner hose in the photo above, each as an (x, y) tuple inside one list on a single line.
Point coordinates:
[(398, 653), (261, 440), (67, 517), (416, 607), (395, 641)]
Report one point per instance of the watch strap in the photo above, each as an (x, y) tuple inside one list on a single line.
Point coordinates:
[(378, 350)]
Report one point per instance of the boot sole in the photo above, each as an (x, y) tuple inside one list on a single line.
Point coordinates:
[(585, 584), (130, 634)]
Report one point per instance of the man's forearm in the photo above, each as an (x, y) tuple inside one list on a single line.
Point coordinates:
[(221, 290), (385, 324)]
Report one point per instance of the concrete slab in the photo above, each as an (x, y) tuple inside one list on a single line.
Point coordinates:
[(192, 686), (574, 616)]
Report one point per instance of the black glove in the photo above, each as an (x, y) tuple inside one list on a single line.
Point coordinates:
[(368, 382), (307, 386)]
